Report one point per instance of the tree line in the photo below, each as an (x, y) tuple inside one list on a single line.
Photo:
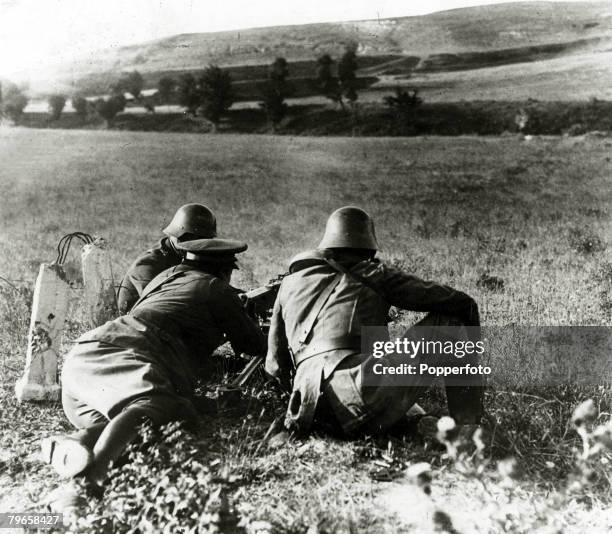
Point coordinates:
[(209, 94)]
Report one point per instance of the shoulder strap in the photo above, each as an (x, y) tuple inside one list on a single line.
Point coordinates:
[(318, 306), (358, 278), (152, 287)]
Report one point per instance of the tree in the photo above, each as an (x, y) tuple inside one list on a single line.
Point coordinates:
[(326, 83), (188, 93), (13, 103), (80, 106), (347, 68), (275, 91), (165, 89), (215, 88), (131, 82), (56, 105), (107, 109)]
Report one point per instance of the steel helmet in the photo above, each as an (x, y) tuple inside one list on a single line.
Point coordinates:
[(195, 219), (349, 227)]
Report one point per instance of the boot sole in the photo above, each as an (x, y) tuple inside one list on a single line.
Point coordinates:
[(67, 456)]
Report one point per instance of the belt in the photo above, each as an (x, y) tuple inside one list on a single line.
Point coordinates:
[(325, 345)]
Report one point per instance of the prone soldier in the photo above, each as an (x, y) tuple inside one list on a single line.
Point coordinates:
[(143, 366)]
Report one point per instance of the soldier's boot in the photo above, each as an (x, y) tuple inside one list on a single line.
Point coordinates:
[(67, 455)]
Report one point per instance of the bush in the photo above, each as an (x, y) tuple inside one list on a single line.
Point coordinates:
[(56, 106), (403, 106)]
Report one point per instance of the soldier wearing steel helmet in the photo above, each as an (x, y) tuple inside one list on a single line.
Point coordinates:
[(314, 344), (191, 221)]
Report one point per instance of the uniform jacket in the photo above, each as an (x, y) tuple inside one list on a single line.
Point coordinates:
[(146, 267), (363, 298), (187, 315)]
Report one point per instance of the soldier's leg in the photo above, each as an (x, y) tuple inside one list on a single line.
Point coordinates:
[(72, 453), (375, 408), (123, 429), (464, 393), (394, 393)]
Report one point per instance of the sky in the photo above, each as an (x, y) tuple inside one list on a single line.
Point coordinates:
[(35, 34)]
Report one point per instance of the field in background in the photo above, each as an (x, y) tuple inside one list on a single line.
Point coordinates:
[(458, 210)]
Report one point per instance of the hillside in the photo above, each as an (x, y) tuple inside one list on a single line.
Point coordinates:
[(475, 29), (462, 31)]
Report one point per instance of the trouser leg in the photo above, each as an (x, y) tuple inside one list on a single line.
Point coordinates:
[(386, 403), (123, 429), (112, 442), (88, 422)]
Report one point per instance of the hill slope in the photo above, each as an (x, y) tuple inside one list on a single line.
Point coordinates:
[(476, 29)]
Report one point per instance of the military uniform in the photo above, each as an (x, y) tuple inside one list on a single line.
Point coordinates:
[(314, 344), (152, 356), (143, 270), (190, 222)]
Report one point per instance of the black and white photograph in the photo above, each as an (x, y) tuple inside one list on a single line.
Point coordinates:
[(306, 267)]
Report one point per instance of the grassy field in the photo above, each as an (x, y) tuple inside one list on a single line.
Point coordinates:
[(535, 214)]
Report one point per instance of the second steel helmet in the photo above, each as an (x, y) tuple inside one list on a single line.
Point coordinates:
[(194, 219), (349, 227)]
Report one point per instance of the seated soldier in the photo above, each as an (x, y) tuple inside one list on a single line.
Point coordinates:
[(191, 221), (144, 366), (314, 344)]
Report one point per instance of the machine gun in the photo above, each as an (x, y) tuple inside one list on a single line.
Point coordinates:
[(259, 303)]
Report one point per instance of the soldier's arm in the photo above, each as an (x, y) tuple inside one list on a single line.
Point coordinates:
[(138, 276), (241, 331), (412, 293), (126, 296), (278, 364)]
